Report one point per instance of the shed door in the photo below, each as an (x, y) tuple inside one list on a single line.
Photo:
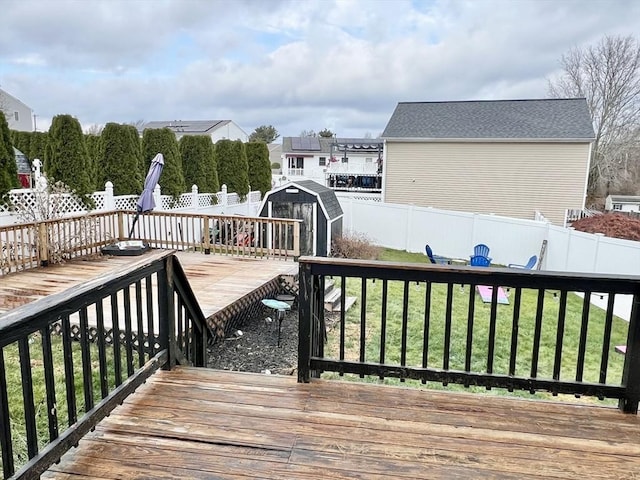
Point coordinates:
[(298, 211)]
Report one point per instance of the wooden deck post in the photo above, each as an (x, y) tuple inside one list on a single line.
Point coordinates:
[(304, 323), (43, 243), (296, 240), (121, 235), (166, 313), (631, 371), (205, 236)]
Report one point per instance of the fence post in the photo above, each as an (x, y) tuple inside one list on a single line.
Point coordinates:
[(194, 196), (223, 197), (109, 202), (296, 239), (157, 197), (408, 236), (595, 255), (631, 370)]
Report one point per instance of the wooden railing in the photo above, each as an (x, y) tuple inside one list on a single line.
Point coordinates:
[(30, 245), (67, 360), (425, 322)]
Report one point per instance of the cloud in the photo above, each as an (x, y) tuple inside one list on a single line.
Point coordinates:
[(342, 65)]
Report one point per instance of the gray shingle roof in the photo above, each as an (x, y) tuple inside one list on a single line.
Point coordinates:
[(499, 119), (188, 126), (327, 197)]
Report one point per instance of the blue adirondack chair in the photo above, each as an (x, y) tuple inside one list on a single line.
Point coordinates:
[(530, 264), (480, 257), (435, 258)]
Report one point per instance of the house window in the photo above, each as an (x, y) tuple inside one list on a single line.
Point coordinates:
[(322, 161), (368, 160), (296, 162), (617, 206), (345, 159), (16, 116)]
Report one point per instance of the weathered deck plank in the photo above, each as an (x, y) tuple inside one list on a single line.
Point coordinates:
[(199, 423), (216, 280)]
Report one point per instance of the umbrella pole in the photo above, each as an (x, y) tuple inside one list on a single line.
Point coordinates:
[(135, 219)]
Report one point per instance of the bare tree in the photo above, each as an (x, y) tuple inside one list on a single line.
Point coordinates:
[(608, 76)]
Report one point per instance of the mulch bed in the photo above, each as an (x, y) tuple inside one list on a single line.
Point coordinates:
[(256, 349), (614, 225)]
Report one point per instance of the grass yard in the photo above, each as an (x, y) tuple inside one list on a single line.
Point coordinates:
[(459, 330), (14, 388)]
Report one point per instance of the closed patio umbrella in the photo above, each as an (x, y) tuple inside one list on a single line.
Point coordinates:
[(146, 203)]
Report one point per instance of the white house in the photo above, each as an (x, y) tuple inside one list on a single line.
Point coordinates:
[(346, 164), (216, 129), (622, 203), (19, 115)]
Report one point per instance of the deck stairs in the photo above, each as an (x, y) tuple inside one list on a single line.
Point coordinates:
[(333, 296)]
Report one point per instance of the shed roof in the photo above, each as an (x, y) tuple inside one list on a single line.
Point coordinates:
[(625, 198), (552, 119), (327, 197)]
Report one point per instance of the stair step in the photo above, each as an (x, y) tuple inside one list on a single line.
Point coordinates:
[(328, 286), (348, 302)]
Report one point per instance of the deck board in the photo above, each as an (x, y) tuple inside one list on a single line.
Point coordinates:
[(216, 280), (202, 423)]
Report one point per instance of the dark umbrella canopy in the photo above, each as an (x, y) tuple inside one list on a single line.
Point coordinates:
[(146, 203)]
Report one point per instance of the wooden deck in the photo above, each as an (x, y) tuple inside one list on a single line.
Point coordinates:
[(201, 423), (216, 280)]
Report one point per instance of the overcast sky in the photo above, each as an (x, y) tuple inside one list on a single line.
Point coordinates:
[(296, 65)]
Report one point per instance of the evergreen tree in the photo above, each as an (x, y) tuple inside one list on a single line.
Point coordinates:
[(66, 158), (198, 162), (94, 149), (232, 166), (136, 145), (38, 145), (259, 166), (8, 167), (163, 140), (22, 141), (120, 159)]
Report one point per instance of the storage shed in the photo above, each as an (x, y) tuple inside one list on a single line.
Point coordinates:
[(316, 205)]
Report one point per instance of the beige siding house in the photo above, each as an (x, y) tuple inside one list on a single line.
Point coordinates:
[(507, 157)]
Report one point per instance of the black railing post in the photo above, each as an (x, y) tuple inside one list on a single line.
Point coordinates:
[(631, 371), (166, 313), (304, 322)]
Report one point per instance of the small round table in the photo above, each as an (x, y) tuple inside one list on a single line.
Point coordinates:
[(280, 308)]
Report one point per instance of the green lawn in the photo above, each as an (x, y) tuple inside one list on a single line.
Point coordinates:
[(480, 330)]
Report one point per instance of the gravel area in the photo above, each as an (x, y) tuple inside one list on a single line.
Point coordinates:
[(256, 348)]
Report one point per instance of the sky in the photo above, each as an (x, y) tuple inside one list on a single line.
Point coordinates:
[(294, 64)]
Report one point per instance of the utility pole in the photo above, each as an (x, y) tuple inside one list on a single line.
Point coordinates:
[(35, 125)]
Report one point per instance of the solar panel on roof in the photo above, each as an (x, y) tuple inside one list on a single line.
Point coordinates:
[(305, 143)]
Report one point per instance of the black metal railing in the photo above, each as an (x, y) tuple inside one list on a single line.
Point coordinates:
[(67, 360), (428, 323)]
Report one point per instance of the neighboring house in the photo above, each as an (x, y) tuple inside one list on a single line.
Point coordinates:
[(216, 129), (508, 157), (345, 164), (19, 116), (622, 203), (275, 154)]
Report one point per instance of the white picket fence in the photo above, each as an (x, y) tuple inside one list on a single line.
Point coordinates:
[(454, 234)]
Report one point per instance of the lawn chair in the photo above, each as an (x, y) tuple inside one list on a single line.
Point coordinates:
[(530, 264), (435, 258), (480, 257), (480, 261)]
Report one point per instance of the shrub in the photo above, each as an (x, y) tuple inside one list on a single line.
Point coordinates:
[(275, 166), (355, 245)]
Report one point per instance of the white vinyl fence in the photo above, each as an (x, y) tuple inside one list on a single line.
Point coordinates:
[(220, 203), (454, 234)]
